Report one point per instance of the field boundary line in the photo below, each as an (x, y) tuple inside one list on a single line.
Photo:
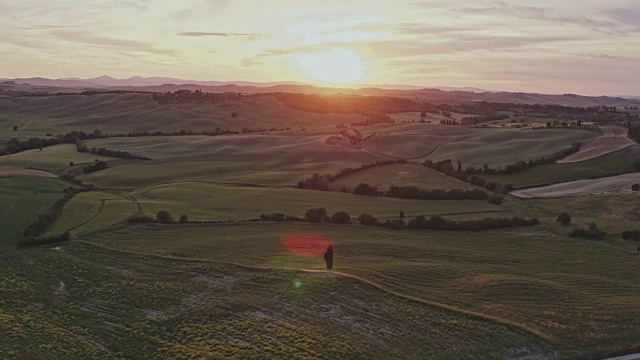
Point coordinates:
[(522, 327)]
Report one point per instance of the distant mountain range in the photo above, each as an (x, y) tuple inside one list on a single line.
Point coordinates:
[(137, 81), (438, 94)]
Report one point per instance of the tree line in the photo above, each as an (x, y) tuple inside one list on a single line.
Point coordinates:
[(110, 153), (434, 222), (321, 182), (45, 219), (523, 165), (75, 137), (446, 167), (416, 193)]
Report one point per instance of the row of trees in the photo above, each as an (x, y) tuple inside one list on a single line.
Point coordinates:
[(321, 182), (413, 192), (46, 218), (110, 153), (446, 167), (75, 137), (162, 217), (523, 165), (434, 222), (97, 166)]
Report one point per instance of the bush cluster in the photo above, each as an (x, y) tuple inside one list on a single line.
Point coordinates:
[(592, 232), (631, 235), (100, 165), (278, 217), (413, 192), (110, 153), (435, 222)]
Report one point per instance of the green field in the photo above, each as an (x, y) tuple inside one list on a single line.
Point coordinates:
[(23, 198), (54, 158), (92, 211), (579, 294), (471, 146), (618, 162), (614, 213), (409, 174), (234, 288), (112, 113), (147, 308)]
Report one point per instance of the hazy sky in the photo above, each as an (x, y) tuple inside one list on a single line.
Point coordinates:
[(557, 46)]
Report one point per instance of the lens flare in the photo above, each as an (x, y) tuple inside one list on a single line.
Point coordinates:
[(305, 245)]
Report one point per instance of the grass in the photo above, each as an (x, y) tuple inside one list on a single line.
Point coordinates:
[(111, 113), (263, 169), (100, 304), (92, 211), (54, 158), (204, 201), (581, 294), (409, 174), (471, 146), (614, 213), (23, 198), (614, 163)]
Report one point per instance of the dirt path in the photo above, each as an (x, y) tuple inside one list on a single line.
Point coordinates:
[(620, 183), (614, 138), (25, 172)]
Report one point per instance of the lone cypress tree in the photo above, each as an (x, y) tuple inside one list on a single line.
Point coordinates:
[(328, 257)]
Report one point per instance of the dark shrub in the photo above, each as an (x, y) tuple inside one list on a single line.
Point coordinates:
[(394, 224), (273, 217), (183, 219), (366, 189), (164, 217), (316, 215), (631, 235), (140, 219), (341, 217), (564, 219), (593, 232), (635, 187), (366, 219), (496, 199)]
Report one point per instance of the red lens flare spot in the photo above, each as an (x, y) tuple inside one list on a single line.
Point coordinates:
[(305, 245)]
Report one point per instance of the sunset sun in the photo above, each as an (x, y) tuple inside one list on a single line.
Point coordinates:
[(335, 66)]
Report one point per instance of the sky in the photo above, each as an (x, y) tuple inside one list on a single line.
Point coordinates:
[(589, 47)]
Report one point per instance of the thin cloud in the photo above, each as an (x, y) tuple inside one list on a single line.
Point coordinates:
[(103, 41), (47, 27), (220, 34)]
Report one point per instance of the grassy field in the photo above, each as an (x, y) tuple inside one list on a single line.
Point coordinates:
[(262, 169), (23, 198), (614, 213), (92, 211), (409, 174), (146, 308), (113, 113), (580, 294), (614, 163), (471, 146), (54, 158), (203, 201)]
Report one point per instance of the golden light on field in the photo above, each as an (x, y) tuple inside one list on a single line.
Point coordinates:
[(335, 66)]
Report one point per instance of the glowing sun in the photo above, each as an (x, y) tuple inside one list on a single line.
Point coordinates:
[(335, 66)]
